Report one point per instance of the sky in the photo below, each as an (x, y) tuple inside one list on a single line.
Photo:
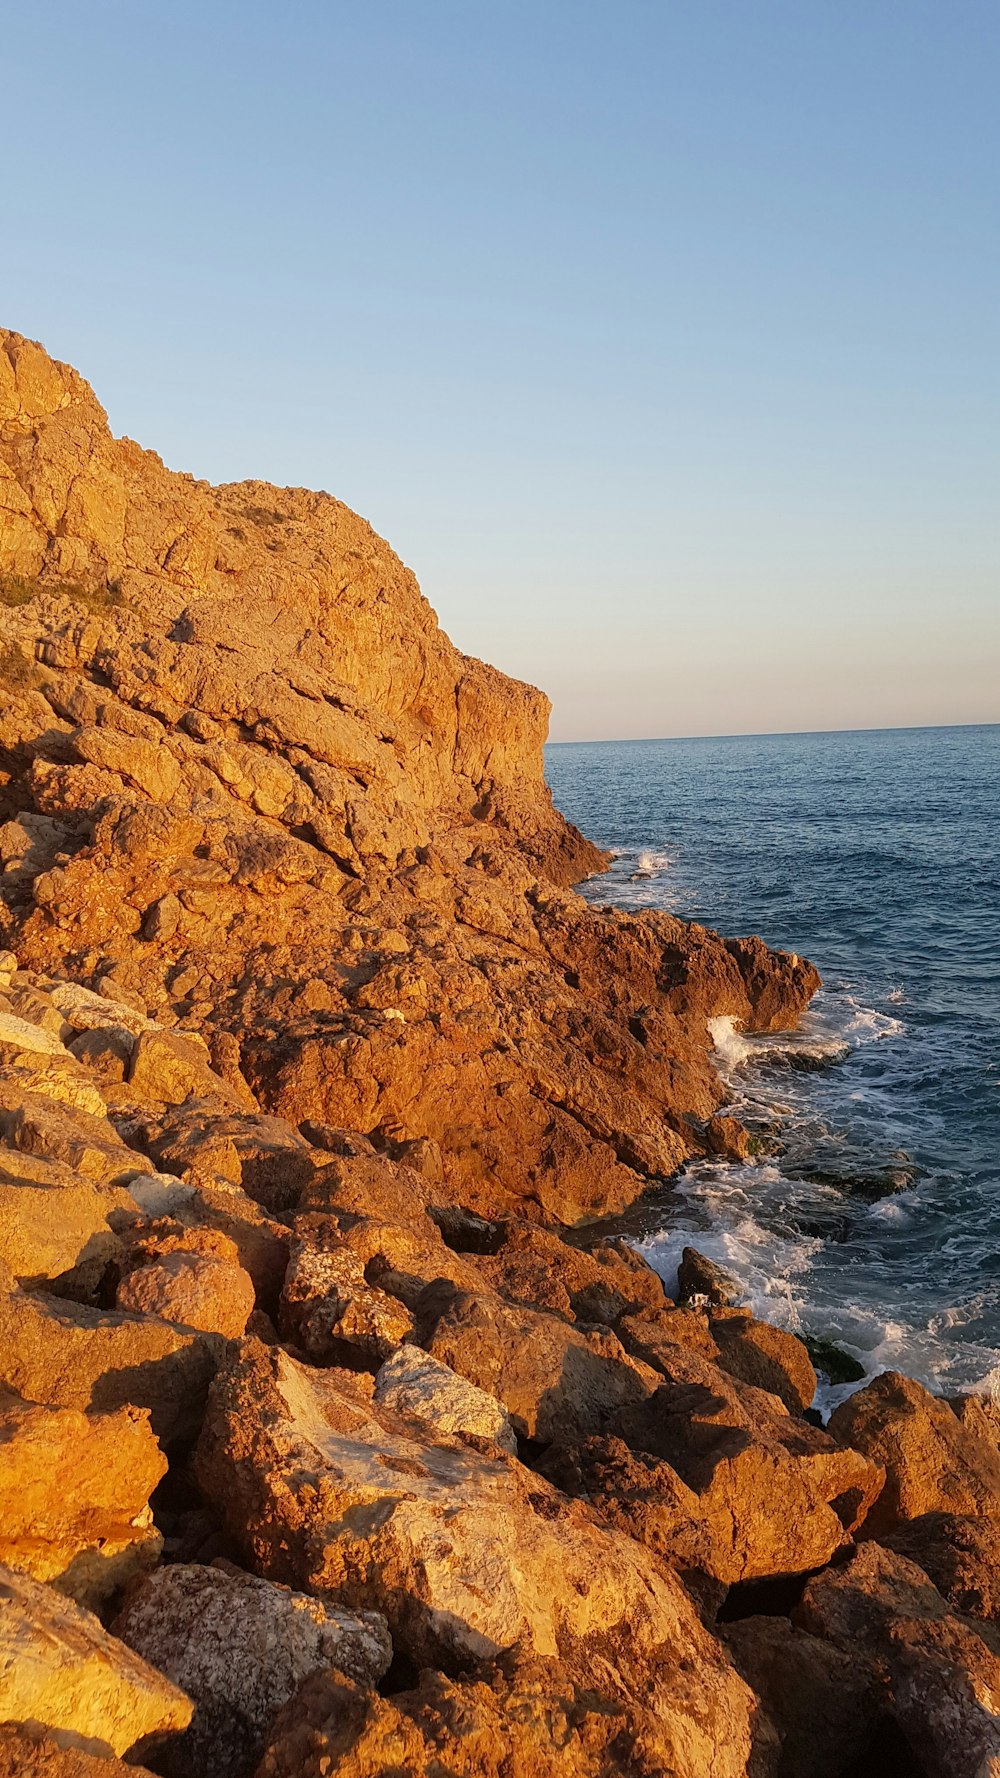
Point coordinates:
[(661, 338)]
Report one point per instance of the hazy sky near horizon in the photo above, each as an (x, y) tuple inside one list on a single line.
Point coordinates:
[(660, 337)]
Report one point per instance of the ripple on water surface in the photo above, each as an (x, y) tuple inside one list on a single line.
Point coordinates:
[(870, 1213)]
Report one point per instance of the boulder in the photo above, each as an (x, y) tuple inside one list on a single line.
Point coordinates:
[(824, 1702), (166, 1068), (527, 1717), (765, 1356), (699, 1278), (62, 1673), (241, 1647), (464, 1551), (74, 1357), (74, 1496), (53, 1220), (30, 1753), (330, 1310), (776, 1495), (193, 1289), (413, 1384), (961, 1555), (554, 1381), (943, 1677), (932, 1462)]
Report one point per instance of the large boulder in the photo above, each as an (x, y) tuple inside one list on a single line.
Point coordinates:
[(823, 1702), (525, 1717), (464, 1552), (199, 1290), (74, 1496), (240, 1647), (75, 1357), (943, 1676), (61, 1672), (932, 1462), (412, 1383), (775, 1494), (30, 1753), (961, 1555), (555, 1381)]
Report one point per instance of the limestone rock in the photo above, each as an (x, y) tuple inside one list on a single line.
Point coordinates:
[(554, 1381), (61, 1672), (69, 1356), (53, 1220), (193, 1289), (29, 1753), (465, 1552), (960, 1555), (699, 1277), (413, 1384), (823, 1701), (74, 1496), (331, 1311), (932, 1462), (775, 1494), (943, 1677), (527, 1716), (765, 1356), (241, 1647)]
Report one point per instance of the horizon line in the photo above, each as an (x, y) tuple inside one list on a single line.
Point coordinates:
[(774, 734)]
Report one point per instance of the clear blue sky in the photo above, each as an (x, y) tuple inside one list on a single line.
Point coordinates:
[(660, 337)]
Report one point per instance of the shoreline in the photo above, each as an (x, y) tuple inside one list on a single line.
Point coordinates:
[(338, 1440)]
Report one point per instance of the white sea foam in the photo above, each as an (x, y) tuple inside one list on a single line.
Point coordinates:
[(650, 863)]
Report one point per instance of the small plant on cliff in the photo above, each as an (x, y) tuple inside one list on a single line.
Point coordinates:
[(16, 589), (16, 671)]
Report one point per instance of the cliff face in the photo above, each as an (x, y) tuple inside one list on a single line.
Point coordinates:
[(319, 1456), (252, 787)]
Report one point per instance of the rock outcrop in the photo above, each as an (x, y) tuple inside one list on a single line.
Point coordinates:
[(309, 1056), (246, 779)]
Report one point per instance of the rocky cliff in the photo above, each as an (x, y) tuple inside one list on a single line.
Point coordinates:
[(252, 787), (324, 1451)]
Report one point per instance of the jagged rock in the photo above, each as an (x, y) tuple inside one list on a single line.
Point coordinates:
[(775, 1494), (70, 1356), (932, 1462), (241, 1647), (414, 1384), (62, 1673), (29, 1753), (698, 1277), (74, 1496), (76, 1138), (765, 1356), (52, 1220), (330, 1310), (943, 1677), (196, 1290), (554, 1381), (167, 1068), (536, 1268), (464, 1551), (960, 1555), (534, 1718), (823, 1702)]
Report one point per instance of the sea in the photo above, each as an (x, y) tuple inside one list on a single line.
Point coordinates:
[(871, 1216)]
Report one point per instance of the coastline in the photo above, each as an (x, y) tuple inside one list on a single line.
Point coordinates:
[(338, 1439)]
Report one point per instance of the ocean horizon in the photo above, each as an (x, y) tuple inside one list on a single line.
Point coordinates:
[(870, 1214)]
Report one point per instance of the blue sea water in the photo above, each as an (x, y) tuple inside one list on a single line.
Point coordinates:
[(875, 1221)]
